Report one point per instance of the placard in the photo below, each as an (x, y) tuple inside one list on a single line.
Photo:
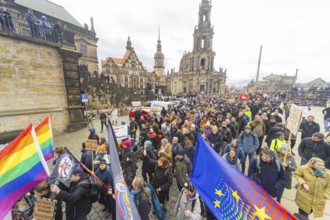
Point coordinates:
[(44, 209), (91, 145), (294, 119), (121, 132)]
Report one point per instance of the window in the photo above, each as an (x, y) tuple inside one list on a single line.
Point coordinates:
[(83, 50), (203, 43), (203, 63), (204, 17)]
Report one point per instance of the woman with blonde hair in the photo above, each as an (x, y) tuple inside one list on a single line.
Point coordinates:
[(313, 187), (141, 197)]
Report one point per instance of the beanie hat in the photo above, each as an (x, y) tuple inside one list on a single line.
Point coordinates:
[(248, 127), (148, 143), (92, 130), (284, 146), (101, 148), (103, 162), (77, 170), (188, 185), (181, 152), (127, 143), (310, 116), (279, 134)]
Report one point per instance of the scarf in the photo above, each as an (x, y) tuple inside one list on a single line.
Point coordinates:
[(231, 161), (317, 172)]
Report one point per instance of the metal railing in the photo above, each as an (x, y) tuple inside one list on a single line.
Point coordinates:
[(39, 30)]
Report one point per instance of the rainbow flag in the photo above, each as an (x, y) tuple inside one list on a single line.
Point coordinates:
[(45, 138), (22, 168)]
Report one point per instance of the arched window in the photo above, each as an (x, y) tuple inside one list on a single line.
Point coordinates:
[(202, 63), (204, 17), (203, 43)]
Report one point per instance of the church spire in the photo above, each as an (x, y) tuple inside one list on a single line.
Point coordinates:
[(159, 57), (129, 44), (159, 42)]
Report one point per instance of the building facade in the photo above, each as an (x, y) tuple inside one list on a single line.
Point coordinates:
[(130, 72), (75, 36), (196, 72), (273, 83)]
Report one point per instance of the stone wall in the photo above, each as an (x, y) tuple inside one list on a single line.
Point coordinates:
[(32, 84)]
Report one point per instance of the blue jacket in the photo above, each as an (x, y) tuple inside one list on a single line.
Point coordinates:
[(190, 152), (268, 176), (248, 143), (86, 158), (239, 151), (106, 177)]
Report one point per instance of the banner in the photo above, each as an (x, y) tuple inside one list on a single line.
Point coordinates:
[(294, 119), (121, 132), (228, 193), (63, 168), (126, 209)]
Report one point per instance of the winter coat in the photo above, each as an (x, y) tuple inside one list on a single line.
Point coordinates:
[(226, 135), (167, 153), (190, 152), (258, 127), (237, 164), (276, 144), (163, 179), (207, 131), (308, 149), (292, 166), (242, 123), (182, 170), (183, 204), (326, 112), (315, 198), (267, 176), (308, 129), (106, 177), (239, 151), (149, 161), (248, 143), (128, 153), (77, 198), (141, 202), (272, 134), (215, 139), (175, 149), (86, 158)]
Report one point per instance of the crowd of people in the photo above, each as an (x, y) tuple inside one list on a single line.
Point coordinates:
[(250, 135), (39, 28)]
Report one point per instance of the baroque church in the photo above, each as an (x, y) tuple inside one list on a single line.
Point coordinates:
[(197, 73), (130, 72)]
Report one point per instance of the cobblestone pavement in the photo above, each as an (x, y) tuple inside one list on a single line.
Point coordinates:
[(73, 142)]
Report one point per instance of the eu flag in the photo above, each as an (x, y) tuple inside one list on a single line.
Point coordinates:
[(227, 192)]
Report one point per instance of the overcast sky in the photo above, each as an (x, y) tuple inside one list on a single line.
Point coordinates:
[(295, 34)]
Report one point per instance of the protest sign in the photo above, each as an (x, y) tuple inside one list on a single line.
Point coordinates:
[(43, 209), (121, 132), (91, 145), (294, 119)]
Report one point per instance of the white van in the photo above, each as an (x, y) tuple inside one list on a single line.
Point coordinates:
[(157, 106)]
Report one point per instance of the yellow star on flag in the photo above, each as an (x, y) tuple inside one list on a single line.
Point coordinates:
[(236, 196), (219, 192), (261, 213), (216, 204)]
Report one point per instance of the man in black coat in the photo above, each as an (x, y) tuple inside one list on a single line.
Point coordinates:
[(314, 146), (309, 127), (77, 198)]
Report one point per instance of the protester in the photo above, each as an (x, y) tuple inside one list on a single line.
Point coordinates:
[(289, 166), (259, 128), (268, 172), (57, 153), (77, 198), (188, 205), (149, 159), (215, 139), (249, 143), (278, 142), (313, 187), (326, 113), (114, 115), (182, 168), (93, 136), (162, 181), (309, 127), (43, 191), (273, 131), (128, 157), (189, 150), (86, 157), (104, 173), (141, 198), (231, 157), (314, 146), (101, 154), (166, 150), (45, 28), (239, 151)]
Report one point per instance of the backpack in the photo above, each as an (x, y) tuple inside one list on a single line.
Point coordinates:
[(254, 138), (278, 165), (95, 188)]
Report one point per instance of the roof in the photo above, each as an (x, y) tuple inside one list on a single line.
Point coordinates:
[(117, 61), (49, 8)]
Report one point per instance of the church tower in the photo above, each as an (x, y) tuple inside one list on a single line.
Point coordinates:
[(159, 58)]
